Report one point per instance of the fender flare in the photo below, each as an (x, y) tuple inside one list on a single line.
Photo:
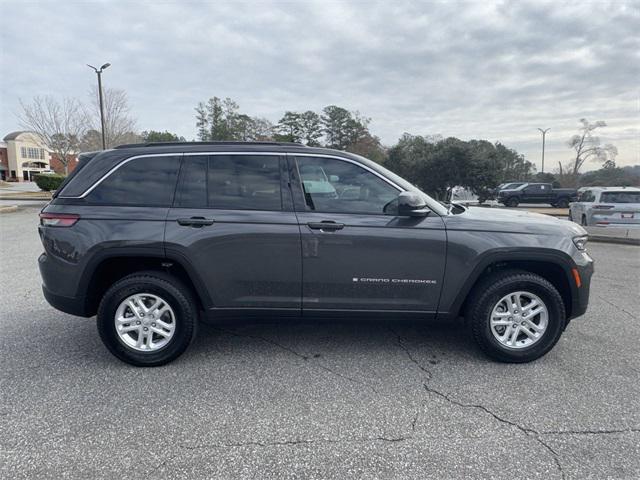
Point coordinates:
[(538, 255), (142, 252)]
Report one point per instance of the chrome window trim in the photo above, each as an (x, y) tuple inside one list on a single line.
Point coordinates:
[(193, 154)]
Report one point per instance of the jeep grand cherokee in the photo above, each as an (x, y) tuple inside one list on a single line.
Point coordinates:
[(152, 238)]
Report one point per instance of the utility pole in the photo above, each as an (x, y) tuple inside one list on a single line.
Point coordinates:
[(544, 134), (99, 73)]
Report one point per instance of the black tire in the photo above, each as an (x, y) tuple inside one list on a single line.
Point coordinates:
[(583, 221), (489, 292), (570, 216), (512, 202), (563, 203), (178, 296)]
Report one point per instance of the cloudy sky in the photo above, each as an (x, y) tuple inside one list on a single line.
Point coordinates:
[(495, 71)]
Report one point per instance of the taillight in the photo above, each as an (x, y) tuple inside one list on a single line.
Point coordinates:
[(58, 219), (602, 207)]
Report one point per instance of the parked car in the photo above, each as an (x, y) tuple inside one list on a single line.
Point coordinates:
[(154, 237), (607, 206), (537, 193)]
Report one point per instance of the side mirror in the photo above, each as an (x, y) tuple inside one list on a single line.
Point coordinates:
[(411, 204)]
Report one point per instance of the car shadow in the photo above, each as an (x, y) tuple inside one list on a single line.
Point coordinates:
[(312, 339)]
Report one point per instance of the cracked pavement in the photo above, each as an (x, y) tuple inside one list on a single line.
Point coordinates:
[(296, 399)]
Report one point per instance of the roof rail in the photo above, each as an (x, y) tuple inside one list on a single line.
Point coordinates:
[(172, 144)]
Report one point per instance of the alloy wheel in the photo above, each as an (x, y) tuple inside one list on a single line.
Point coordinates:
[(519, 320), (145, 322)]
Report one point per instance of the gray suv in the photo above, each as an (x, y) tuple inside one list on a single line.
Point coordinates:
[(152, 238)]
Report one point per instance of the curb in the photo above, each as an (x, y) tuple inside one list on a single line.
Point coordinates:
[(618, 240), (9, 209), (36, 199)]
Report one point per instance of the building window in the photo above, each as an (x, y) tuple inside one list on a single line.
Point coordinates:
[(32, 153)]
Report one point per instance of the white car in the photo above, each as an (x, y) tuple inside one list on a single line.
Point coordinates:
[(607, 207)]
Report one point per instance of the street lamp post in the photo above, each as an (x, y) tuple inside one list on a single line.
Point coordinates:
[(544, 134), (99, 73)]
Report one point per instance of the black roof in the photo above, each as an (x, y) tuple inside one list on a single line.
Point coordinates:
[(197, 144)]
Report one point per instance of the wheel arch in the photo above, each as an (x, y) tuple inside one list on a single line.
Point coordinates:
[(107, 269), (553, 266)]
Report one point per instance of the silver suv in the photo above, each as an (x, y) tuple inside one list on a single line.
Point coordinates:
[(607, 207)]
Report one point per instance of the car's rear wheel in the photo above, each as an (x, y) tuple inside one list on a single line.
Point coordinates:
[(512, 202), (516, 316), (570, 216), (147, 319), (563, 203), (583, 221)]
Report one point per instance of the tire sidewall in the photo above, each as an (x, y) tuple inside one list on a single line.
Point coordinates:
[(184, 318), (555, 327)]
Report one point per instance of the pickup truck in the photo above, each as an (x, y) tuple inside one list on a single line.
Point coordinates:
[(538, 193)]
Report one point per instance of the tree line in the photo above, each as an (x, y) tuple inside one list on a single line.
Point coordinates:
[(334, 127), (433, 163)]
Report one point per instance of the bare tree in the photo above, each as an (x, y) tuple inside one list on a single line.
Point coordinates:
[(587, 146), (119, 125), (59, 125)]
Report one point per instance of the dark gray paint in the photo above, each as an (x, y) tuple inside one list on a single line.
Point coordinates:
[(272, 260)]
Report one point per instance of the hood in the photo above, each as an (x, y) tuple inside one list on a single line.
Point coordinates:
[(505, 220)]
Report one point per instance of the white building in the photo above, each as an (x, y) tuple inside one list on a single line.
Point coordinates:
[(26, 155)]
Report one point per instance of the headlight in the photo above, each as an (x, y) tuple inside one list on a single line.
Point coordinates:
[(581, 242)]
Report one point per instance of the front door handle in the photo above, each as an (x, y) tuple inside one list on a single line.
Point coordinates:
[(195, 221), (326, 225)]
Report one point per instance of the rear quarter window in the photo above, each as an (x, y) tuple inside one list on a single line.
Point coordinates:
[(148, 181)]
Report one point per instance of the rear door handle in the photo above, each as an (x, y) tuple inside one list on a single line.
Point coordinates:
[(326, 225), (195, 221)]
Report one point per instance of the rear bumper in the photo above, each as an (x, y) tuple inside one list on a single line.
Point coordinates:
[(71, 305), (55, 284)]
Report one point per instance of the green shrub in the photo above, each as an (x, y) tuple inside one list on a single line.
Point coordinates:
[(49, 182)]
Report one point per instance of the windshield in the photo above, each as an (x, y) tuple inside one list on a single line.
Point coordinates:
[(620, 197)]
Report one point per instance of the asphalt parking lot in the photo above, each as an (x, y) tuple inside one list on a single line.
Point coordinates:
[(305, 400)]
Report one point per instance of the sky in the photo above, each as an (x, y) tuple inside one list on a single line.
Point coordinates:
[(475, 69)]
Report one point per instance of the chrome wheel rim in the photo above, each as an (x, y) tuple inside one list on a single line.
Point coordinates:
[(519, 320), (145, 322)]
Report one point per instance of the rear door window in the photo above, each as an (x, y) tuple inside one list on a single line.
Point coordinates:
[(148, 181), (230, 182)]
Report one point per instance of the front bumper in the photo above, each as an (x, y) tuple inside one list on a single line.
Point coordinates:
[(581, 294)]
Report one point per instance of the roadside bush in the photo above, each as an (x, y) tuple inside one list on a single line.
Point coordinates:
[(49, 182)]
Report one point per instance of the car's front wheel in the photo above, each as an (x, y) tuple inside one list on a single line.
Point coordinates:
[(516, 316), (147, 319), (512, 202)]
